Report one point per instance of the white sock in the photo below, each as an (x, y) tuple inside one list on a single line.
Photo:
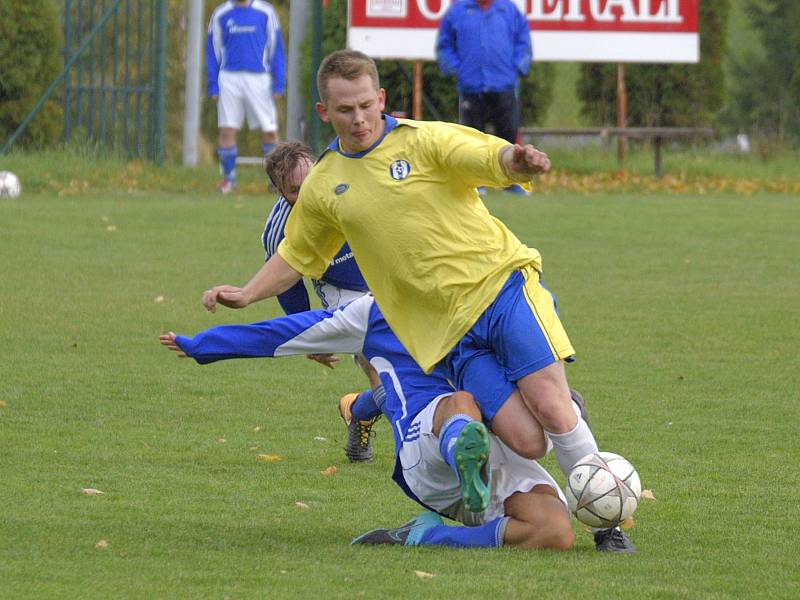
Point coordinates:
[(572, 446)]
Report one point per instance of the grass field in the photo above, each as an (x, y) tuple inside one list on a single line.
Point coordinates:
[(684, 310)]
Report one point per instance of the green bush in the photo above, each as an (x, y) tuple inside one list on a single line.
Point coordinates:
[(30, 40), (688, 95), (766, 84)]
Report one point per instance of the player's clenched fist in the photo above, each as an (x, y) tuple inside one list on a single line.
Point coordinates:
[(227, 295)]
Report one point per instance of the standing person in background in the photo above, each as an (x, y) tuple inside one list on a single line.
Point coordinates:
[(246, 69), (486, 46)]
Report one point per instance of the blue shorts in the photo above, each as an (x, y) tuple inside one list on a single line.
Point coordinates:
[(518, 334)]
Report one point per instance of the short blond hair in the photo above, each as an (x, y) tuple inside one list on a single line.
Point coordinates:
[(347, 64), (283, 160)]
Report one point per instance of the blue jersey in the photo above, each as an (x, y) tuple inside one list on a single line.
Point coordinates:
[(245, 38), (343, 271), (356, 327)]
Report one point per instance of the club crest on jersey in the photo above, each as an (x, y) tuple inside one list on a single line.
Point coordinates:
[(341, 189), (399, 169)]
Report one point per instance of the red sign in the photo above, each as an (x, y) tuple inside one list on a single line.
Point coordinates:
[(575, 30)]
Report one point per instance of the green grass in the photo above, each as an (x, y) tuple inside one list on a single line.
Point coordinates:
[(683, 310)]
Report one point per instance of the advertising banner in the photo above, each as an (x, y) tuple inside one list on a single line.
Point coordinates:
[(663, 31)]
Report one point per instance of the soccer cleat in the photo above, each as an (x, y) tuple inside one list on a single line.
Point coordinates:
[(226, 186), (409, 534), (359, 433), (613, 540), (471, 456), (517, 190), (581, 404)]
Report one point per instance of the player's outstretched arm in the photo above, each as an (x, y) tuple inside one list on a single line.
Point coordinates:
[(273, 278), (520, 162)]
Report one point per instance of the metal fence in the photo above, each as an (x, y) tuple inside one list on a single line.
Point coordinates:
[(114, 91)]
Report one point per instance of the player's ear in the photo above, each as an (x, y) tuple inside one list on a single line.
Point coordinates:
[(382, 99), (322, 111)]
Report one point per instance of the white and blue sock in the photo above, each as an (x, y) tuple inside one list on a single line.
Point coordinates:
[(573, 445), (488, 535), (227, 162), (449, 434)]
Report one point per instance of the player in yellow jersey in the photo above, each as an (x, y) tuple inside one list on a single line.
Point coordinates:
[(453, 282)]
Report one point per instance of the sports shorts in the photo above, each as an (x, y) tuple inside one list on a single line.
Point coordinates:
[(244, 94), (435, 483), (332, 296), (518, 334)]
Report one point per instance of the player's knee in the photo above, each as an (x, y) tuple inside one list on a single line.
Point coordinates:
[(464, 402), (526, 444)]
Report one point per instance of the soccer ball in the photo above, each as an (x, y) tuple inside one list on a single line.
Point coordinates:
[(9, 185), (603, 489)]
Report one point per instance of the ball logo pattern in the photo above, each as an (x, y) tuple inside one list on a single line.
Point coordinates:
[(9, 185), (603, 489)]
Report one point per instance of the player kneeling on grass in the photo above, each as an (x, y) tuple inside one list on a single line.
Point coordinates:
[(446, 460)]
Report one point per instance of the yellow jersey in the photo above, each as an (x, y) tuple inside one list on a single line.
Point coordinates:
[(430, 252)]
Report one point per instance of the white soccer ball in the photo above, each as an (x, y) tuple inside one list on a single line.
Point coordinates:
[(9, 185), (603, 489)]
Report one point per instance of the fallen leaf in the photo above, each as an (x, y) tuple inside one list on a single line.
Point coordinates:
[(301, 505), (257, 428), (158, 299), (627, 523), (92, 492), (222, 440), (648, 495), (423, 575), (111, 228), (101, 544), (319, 438), (253, 448), (328, 471), (268, 457), (104, 219)]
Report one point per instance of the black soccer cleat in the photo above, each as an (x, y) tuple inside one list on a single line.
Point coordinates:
[(359, 433), (409, 534), (613, 540)]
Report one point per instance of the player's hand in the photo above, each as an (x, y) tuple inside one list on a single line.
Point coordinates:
[(168, 340), (328, 360), (227, 295), (527, 159)]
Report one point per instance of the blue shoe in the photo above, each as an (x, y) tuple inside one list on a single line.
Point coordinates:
[(471, 456), (409, 534), (517, 190)]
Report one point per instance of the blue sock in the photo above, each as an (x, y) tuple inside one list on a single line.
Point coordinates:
[(267, 147), (364, 408), (227, 161), (447, 438), (488, 535)]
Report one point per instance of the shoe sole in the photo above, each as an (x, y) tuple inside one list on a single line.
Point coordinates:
[(471, 456)]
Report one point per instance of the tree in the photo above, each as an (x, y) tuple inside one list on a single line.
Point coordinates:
[(664, 95), (766, 90), (30, 40)]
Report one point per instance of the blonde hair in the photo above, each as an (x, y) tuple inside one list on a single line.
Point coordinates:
[(283, 160), (347, 64)]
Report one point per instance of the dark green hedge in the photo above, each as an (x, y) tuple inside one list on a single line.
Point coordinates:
[(30, 41)]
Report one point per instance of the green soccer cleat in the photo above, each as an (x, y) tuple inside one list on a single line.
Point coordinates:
[(471, 457), (409, 534)]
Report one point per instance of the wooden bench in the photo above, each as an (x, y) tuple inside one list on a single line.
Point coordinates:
[(656, 134)]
